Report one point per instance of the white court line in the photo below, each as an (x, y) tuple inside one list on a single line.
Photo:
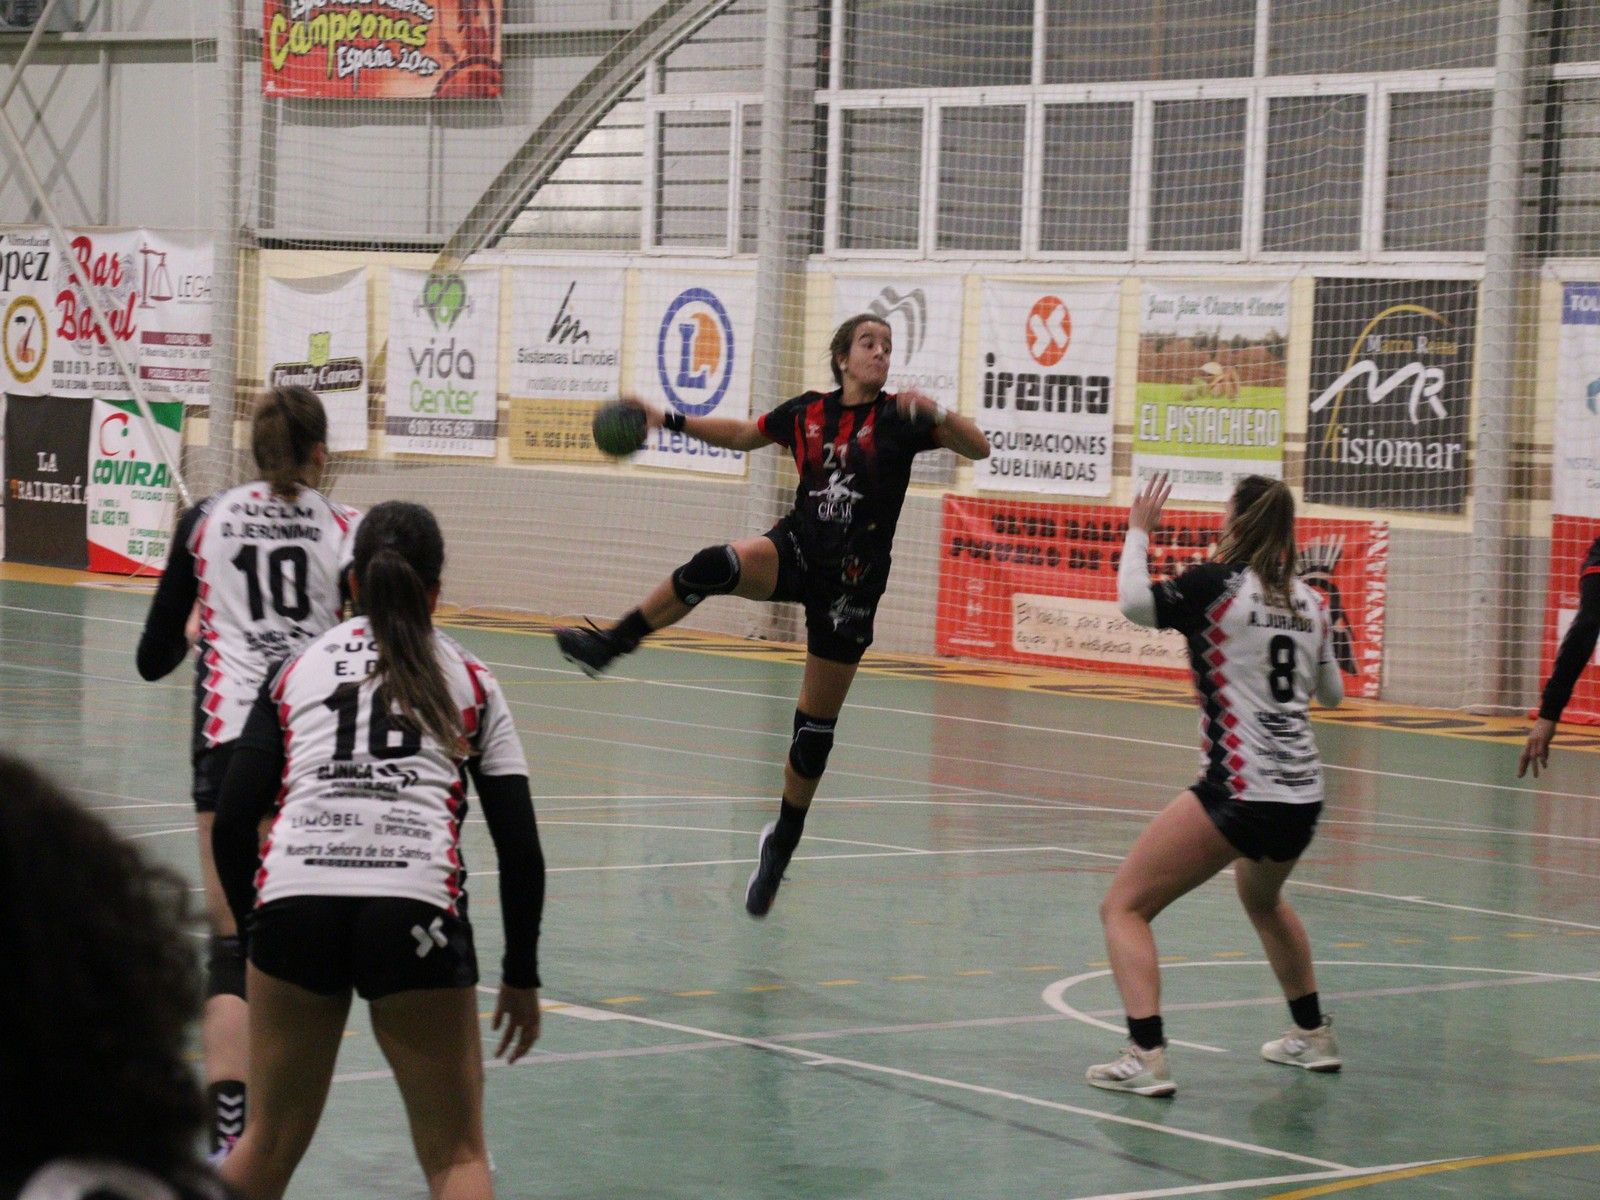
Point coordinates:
[(1487, 912), (812, 1059), (1052, 729), (134, 837), (745, 862), (51, 612), (737, 832), (1054, 994), (1462, 858), (1471, 783)]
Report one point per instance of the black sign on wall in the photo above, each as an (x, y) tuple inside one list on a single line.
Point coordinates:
[(1391, 393), (47, 480)]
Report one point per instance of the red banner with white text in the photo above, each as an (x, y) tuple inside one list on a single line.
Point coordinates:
[(1570, 539), (1037, 583)]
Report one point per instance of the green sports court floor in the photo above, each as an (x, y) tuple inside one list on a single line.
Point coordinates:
[(914, 1019)]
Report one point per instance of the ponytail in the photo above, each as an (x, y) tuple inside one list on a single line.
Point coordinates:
[(1260, 534), (290, 423), (399, 557)]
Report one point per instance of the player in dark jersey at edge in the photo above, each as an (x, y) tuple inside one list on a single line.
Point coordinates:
[(263, 561), (362, 742), (1577, 648), (1260, 648), (853, 448)]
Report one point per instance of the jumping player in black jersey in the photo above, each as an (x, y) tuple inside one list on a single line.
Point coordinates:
[(853, 448), (361, 744), (1260, 647), (261, 563), (1577, 648)]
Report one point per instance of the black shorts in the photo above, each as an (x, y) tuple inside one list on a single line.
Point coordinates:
[(1259, 829), (210, 769), (378, 945), (839, 612)]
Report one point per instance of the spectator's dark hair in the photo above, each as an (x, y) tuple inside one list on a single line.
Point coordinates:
[(98, 990), (844, 337)]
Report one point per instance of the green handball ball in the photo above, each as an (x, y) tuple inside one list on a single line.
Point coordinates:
[(618, 428)]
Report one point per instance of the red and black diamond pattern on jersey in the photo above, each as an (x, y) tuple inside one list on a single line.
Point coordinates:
[(1195, 605), (855, 465)]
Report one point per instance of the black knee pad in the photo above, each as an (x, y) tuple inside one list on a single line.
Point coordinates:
[(812, 743), (225, 967), (712, 572)]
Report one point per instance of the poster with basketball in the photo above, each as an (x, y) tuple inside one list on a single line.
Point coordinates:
[(1046, 370), (1034, 582), (382, 49), (1212, 378), (690, 340)]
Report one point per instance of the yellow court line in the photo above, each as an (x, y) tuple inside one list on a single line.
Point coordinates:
[(980, 972), (905, 978), (1456, 1164), (838, 982), (696, 992), (623, 1000)]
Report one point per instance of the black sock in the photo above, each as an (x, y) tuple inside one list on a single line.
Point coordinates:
[(791, 823), (227, 1111), (632, 629), (1146, 1032), (1307, 1011)]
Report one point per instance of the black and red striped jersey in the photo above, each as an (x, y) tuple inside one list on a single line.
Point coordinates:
[(855, 465)]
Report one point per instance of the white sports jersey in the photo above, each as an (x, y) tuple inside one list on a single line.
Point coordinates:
[(268, 570), (371, 807), (1255, 669)]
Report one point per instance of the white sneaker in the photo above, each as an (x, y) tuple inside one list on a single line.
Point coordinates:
[(1311, 1049), (1142, 1072)]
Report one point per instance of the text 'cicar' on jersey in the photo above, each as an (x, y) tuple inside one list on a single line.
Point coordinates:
[(855, 466)]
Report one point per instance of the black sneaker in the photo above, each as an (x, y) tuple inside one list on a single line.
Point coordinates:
[(762, 889), (591, 649)]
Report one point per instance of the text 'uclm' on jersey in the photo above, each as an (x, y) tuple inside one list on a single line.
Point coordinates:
[(273, 521), (1028, 391)]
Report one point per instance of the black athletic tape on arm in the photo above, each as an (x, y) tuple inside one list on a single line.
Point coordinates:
[(225, 967), (673, 421), (811, 744), (714, 571)]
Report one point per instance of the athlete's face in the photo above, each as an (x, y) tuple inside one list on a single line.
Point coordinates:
[(867, 364)]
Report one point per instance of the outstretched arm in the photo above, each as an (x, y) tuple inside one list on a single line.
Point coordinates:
[(731, 433)]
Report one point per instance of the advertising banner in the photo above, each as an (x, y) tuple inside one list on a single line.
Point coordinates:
[(27, 273), (1046, 381), (566, 337), (924, 319), (1575, 465), (155, 290), (1211, 385), (132, 503), (441, 392), (381, 49), (47, 480), (1037, 583), (1391, 394), (316, 337), (1570, 539), (691, 350)]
